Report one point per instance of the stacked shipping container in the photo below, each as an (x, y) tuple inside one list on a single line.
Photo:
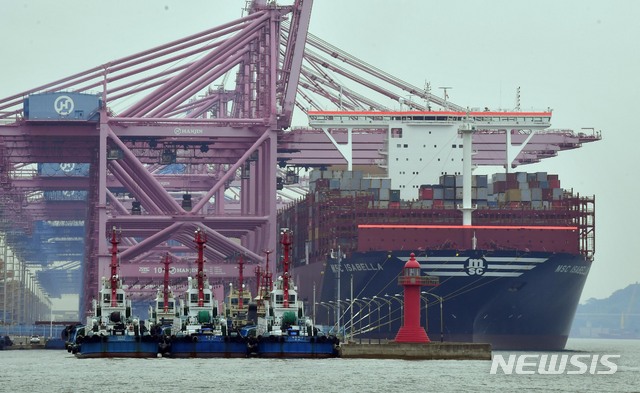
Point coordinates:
[(330, 214), (513, 190)]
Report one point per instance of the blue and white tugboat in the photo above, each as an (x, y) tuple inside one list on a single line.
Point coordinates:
[(112, 331), (285, 331), (164, 314), (204, 333)]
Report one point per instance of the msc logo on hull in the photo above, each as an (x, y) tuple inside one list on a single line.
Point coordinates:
[(475, 266)]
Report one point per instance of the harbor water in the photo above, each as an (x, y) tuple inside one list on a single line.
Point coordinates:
[(56, 371)]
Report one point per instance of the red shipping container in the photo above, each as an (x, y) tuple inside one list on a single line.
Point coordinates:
[(555, 183), (426, 193)]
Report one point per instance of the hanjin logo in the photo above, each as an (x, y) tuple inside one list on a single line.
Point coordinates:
[(67, 167), (188, 131), (63, 105), (554, 364)]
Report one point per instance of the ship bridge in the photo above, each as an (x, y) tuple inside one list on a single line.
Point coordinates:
[(481, 120), (361, 138)]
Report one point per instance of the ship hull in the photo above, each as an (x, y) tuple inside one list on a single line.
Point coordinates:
[(296, 347), (511, 299), (115, 346), (208, 346)]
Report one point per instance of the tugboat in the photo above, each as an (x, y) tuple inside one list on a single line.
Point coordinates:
[(164, 315), (285, 331), (112, 331), (70, 334), (204, 333), (5, 342)]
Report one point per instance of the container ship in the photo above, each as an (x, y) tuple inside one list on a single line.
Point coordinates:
[(511, 250)]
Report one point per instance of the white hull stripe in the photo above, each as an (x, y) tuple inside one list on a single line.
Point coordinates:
[(515, 260), (486, 274), (512, 267), (427, 260), (457, 266)]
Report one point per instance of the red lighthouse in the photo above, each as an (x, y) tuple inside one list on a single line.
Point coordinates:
[(411, 331)]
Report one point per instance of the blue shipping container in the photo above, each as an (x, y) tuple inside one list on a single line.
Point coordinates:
[(62, 106)]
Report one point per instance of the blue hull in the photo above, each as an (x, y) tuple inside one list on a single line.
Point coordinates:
[(511, 299), (208, 346), (296, 347), (118, 347), (54, 343)]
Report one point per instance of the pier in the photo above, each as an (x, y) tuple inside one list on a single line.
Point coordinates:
[(367, 349)]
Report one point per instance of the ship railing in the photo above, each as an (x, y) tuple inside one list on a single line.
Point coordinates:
[(370, 341), (10, 117)]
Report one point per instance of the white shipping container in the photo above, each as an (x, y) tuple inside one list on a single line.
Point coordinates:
[(499, 177), (427, 203)]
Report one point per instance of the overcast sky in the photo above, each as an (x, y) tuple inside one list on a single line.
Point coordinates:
[(579, 58)]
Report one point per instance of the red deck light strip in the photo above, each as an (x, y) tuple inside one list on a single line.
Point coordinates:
[(421, 113), (541, 228)]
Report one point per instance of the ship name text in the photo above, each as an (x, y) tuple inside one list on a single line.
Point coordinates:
[(582, 270), (357, 267)]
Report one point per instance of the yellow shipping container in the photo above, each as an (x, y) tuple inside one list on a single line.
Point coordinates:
[(513, 195)]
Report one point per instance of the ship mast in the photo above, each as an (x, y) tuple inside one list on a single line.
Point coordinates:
[(240, 281), (200, 240), (267, 275), (258, 272), (467, 209), (286, 246), (114, 266), (167, 261)]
